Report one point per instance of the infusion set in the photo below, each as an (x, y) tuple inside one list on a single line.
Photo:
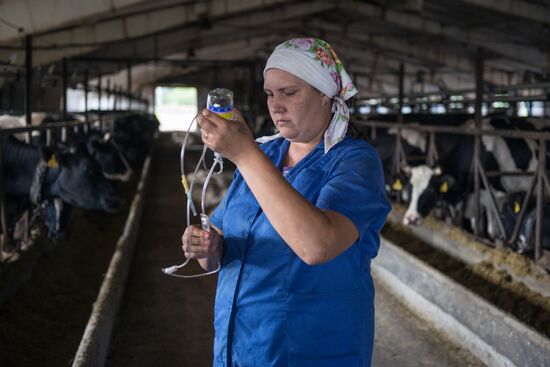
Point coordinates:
[(219, 101)]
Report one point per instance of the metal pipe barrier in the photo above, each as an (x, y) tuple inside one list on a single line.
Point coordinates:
[(540, 180), (94, 345)]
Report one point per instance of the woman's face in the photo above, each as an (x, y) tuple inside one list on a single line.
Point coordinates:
[(300, 112)]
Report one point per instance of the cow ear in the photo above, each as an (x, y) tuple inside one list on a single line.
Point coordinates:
[(49, 156), (437, 171), (446, 183), (517, 207), (397, 185)]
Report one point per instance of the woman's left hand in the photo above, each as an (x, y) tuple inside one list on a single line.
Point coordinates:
[(231, 138)]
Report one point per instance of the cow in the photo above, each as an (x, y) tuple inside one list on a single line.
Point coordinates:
[(508, 206), (511, 154), (448, 181), (133, 135), (414, 144), (504, 154), (526, 239), (38, 175), (12, 122), (100, 146)]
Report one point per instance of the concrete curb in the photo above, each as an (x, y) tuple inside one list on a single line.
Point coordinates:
[(94, 345), (494, 337), (443, 237)]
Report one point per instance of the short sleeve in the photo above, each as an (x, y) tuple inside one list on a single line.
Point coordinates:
[(356, 190), (217, 216)]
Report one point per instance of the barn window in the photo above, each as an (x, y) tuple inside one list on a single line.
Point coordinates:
[(175, 107)]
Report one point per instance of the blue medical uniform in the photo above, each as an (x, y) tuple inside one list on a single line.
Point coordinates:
[(271, 308)]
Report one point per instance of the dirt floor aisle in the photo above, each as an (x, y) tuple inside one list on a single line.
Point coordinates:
[(163, 321)]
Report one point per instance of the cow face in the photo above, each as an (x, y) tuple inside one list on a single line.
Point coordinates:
[(526, 239), (113, 165), (79, 181), (428, 185), (56, 215)]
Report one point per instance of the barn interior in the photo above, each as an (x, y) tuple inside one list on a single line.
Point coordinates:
[(475, 69)]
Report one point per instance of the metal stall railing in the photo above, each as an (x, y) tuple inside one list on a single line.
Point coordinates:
[(63, 126), (539, 181)]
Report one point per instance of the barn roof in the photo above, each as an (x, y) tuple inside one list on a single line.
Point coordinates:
[(437, 41)]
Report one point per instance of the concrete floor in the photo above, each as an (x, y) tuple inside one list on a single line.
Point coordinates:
[(403, 339)]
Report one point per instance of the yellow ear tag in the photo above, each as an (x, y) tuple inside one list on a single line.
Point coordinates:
[(397, 185), (517, 207), (444, 187), (52, 163)]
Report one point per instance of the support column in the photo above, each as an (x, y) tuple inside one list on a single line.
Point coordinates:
[(401, 92), (477, 147), (129, 85), (86, 95), (65, 83), (99, 85), (540, 199), (28, 82)]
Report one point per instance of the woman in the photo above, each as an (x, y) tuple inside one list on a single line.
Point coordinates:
[(299, 224)]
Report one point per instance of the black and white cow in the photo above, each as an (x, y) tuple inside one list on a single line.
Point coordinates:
[(413, 142), (39, 175), (100, 146), (526, 238), (511, 154), (430, 187), (508, 208), (448, 181)]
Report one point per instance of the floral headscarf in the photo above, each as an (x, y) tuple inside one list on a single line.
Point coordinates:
[(314, 61)]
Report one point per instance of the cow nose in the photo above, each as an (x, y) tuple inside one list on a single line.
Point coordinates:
[(412, 220), (113, 204)]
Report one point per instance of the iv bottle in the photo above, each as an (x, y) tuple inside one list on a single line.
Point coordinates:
[(220, 101)]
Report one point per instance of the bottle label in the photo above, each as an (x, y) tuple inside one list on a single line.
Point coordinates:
[(226, 115), (225, 112)]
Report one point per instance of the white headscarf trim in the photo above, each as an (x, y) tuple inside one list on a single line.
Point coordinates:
[(314, 61)]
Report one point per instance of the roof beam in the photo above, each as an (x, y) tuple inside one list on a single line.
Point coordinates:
[(516, 8), (29, 17), (246, 26), (88, 37), (525, 54), (397, 46)]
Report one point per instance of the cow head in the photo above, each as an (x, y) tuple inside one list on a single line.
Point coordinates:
[(77, 179), (113, 164), (526, 239), (428, 185), (56, 215)]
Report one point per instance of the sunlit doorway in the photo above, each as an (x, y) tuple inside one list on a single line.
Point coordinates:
[(175, 107)]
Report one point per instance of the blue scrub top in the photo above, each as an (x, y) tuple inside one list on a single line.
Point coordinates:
[(271, 308)]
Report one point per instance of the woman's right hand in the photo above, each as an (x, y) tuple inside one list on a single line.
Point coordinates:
[(200, 244)]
